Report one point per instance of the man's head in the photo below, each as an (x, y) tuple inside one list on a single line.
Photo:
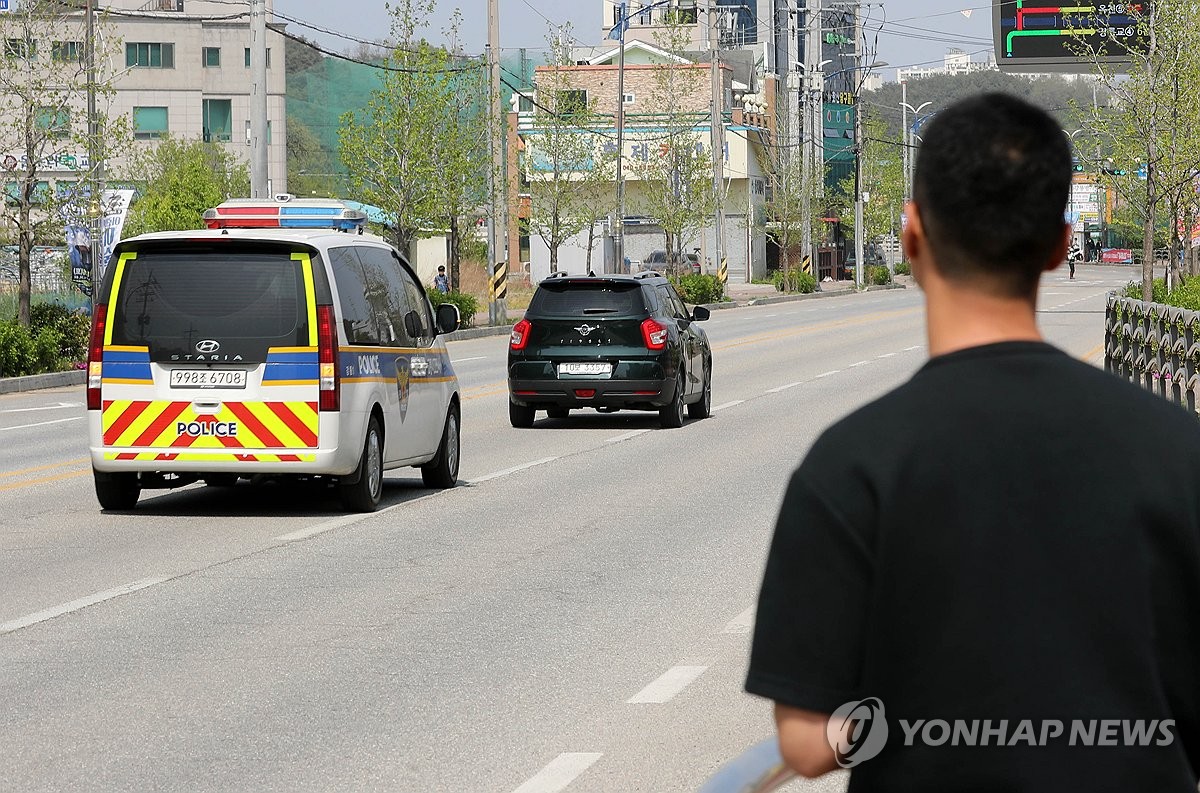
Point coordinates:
[(441, 269), (990, 187)]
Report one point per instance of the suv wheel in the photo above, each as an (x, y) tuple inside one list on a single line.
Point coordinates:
[(117, 491), (671, 416), (520, 416), (364, 494), (702, 407), (442, 471)]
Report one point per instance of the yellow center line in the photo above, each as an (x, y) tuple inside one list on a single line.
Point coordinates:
[(1092, 353), (45, 479), (36, 468), (840, 323)]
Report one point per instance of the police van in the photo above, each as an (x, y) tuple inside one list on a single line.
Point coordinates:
[(282, 340)]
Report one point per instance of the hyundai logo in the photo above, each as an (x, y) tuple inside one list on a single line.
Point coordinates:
[(208, 345), (586, 329)]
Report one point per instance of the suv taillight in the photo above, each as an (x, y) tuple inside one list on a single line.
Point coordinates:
[(331, 383), (95, 361), (520, 335), (655, 334)]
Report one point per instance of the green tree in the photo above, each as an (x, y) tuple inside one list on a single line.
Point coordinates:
[(181, 179), (791, 193), (310, 168), (882, 180), (394, 149), (43, 119), (564, 163)]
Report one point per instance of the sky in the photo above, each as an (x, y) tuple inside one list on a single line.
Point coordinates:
[(908, 32)]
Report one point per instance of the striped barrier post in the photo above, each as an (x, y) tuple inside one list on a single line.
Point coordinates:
[(806, 265), (723, 272)]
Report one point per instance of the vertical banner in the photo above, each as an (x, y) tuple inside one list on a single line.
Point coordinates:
[(116, 207)]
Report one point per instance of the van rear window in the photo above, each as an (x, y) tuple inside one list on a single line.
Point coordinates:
[(247, 302), (588, 299)]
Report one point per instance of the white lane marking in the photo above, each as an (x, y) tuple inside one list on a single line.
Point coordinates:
[(321, 528), (741, 623), (768, 316), (667, 685), (76, 605), (859, 363), (39, 424), (734, 403), (559, 772), (914, 347), (777, 389), (625, 437), (888, 355), (513, 470), (58, 406), (827, 374), (464, 360)]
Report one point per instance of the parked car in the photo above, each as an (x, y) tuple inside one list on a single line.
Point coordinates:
[(610, 342), (873, 255), (281, 341), (658, 260)]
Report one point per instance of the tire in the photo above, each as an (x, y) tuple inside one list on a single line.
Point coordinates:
[(520, 416), (364, 494), (671, 416), (117, 491), (442, 471), (702, 407), (558, 413)]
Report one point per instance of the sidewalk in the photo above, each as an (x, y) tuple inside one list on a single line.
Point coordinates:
[(742, 293)]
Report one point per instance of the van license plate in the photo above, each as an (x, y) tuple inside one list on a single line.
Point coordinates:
[(208, 378), (585, 368)]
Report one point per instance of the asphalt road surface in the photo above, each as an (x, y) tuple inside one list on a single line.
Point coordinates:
[(574, 617)]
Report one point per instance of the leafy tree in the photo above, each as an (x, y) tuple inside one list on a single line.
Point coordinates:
[(300, 56), (43, 118), (882, 180), (395, 149), (310, 168), (181, 179), (675, 187), (567, 171)]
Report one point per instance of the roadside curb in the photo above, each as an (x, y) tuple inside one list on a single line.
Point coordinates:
[(478, 333), (35, 382)]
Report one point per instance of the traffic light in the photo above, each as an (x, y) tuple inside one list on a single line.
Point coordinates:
[(1076, 165)]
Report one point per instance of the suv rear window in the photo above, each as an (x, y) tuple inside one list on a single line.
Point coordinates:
[(586, 299), (248, 301)]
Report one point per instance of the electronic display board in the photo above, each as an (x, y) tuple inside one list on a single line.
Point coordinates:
[(1036, 36)]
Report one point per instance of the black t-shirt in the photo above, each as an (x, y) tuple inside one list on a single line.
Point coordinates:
[(1012, 535)]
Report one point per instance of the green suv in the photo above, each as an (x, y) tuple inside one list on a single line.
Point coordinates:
[(611, 342)]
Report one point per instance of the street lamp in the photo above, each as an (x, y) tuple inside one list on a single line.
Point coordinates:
[(906, 139), (858, 198)]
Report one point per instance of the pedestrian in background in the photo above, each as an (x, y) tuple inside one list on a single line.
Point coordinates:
[(440, 281), (964, 551)]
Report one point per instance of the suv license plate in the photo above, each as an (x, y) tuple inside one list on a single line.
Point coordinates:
[(585, 369), (208, 378)]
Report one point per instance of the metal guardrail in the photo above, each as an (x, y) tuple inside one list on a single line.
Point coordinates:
[(1155, 346), (759, 769)]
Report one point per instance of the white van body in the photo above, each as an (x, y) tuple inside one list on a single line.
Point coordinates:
[(212, 364)]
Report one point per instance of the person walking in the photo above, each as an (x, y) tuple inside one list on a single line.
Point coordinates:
[(440, 282), (969, 589)]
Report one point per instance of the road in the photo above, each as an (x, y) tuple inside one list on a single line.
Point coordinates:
[(574, 617)]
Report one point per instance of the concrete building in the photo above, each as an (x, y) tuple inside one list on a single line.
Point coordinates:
[(182, 68), (954, 62)]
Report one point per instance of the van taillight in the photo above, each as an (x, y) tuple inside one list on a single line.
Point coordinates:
[(95, 362), (331, 384), (520, 335), (654, 334)]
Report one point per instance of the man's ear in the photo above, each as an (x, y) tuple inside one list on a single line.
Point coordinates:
[(913, 240), (1060, 250)]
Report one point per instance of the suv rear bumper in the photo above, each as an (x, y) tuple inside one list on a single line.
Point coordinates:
[(627, 394)]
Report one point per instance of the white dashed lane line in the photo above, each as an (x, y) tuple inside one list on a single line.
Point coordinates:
[(667, 685), (58, 406), (742, 623), (859, 363), (76, 605), (626, 436), (40, 424), (513, 470), (734, 403), (777, 389), (559, 772)]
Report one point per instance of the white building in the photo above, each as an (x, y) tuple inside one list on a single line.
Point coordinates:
[(954, 62), (182, 67)]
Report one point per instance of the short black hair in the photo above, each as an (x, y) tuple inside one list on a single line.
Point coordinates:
[(441, 267), (991, 185)]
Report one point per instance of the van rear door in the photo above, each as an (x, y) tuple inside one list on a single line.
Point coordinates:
[(210, 354)]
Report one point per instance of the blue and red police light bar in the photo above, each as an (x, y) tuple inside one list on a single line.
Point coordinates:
[(276, 216)]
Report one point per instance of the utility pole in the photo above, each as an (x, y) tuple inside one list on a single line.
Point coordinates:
[(858, 147), (95, 166), (717, 124), (619, 231), (905, 156), (806, 137), (811, 126), (259, 180), (498, 233)]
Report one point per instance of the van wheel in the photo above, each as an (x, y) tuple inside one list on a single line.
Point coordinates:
[(442, 471), (116, 491), (363, 495), (520, 416), (671, 416)]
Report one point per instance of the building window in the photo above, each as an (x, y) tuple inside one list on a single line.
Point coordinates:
[(268, 57), (572, 101), (218, 119), (629, 98), (248, 132), (645, 17), (150, 55), (525, 104), (66, 51), (24, 49), (55, 121), (686, 15), (212, 56), (149, 123), (616, 13)]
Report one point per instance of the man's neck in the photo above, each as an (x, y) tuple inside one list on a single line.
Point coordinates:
[(959, 318)]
